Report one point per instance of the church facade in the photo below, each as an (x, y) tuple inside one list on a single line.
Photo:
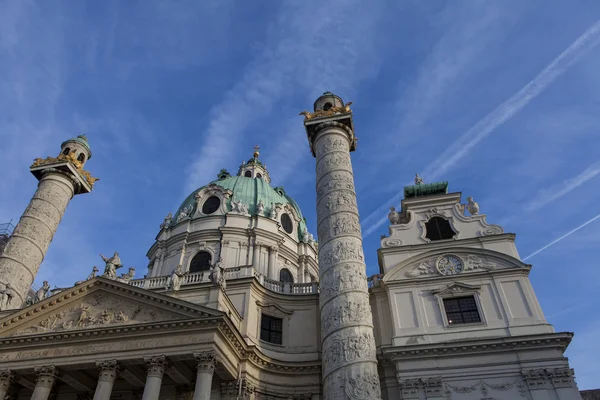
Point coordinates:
[(240, 301)]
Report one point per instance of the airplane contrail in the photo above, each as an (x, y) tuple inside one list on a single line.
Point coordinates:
[(461, 147), (562, 237)]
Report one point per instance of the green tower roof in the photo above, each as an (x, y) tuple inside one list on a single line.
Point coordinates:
[(425, 189)]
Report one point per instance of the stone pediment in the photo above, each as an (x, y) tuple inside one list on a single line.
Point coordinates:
[(467, 261), (96, 304)]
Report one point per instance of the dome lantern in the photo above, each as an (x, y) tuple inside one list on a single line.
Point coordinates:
[(254, 168)]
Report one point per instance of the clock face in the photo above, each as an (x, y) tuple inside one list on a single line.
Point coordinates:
[(449, 265)]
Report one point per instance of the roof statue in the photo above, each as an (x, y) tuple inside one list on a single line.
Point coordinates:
[(472, 206), (418, 180)]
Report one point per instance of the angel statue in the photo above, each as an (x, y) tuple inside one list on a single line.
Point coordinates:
[(216, 274), (418, 180), (112, 264), (472, 206), (394, 216), (176, 279), (41, 293), (6, 296)]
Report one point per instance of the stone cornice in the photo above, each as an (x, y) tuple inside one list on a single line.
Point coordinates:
[(477, 346), (447, 244)]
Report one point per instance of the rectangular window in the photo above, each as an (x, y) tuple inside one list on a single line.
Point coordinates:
[(271, 329), (461, 310)]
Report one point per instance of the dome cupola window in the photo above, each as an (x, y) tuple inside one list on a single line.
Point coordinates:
[(211, 205), (201, 262), (248, 174), (438, 228), (286, 223)]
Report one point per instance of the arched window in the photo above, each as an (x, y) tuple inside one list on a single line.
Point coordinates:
[(285, 276), (81, 157), (248, 174), (258, 175), (286, 223), (438, 228), (327, 106), (66, 151), (211, 205), (201, 262)]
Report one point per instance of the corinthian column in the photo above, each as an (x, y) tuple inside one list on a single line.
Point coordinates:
[(45, 380), (106, 379), (348, 344), (59, 179), (6, 379), (206, 368), (155, 367)]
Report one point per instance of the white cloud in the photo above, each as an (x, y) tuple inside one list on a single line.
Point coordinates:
[(483, 128), (305, 52), (548, 195)]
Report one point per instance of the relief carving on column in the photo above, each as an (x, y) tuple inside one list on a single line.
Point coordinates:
[(155, 366), (347, 346), (336, 181), (107, 370), (335, 252), (349, 277), (338, 225), (362, 386), (337, 201), (46, 375), (343, 311), (6, 379), (206, 361), (333, 161)]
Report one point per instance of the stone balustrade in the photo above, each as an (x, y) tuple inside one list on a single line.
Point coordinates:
[(232, 274)]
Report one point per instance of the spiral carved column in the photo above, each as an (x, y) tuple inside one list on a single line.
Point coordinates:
[(348, 345)]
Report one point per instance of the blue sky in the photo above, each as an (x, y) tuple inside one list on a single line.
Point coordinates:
[(498, 98)]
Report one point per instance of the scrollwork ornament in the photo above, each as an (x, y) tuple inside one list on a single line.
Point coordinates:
[(206, 361), (491, 230)]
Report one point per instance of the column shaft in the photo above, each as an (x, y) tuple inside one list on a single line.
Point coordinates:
[(45, 380), (29, 242), (349, 359), (256, 256), (272, 269), (206, 369), (106, 379), (155, 369)]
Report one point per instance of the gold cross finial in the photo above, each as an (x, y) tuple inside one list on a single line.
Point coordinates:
[(256, 151)]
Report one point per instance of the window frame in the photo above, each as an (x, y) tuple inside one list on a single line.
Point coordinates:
[(291, 220), (270, 330), (430, 220), (207, 200), (290, 275), (194, 256), (455, 291)]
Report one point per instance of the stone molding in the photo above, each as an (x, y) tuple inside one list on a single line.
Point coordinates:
[(155, 365), (108, 370), (46, 375), (541, 378), (206, 361), (7, 377)]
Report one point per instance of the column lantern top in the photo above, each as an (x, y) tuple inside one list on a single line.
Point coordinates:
[(330, 111)]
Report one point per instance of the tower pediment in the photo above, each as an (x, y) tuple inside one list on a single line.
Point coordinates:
[(97, 304), (458, 262)]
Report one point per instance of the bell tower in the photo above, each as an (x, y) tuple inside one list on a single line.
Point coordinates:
[(349, 355), (60, 178)]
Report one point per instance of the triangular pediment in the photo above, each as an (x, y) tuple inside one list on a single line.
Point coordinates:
[(96, 304)]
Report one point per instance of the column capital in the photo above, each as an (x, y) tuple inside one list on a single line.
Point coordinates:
[(155, 365), (46, 375), (108, 370), (6, 379), (206, 361)]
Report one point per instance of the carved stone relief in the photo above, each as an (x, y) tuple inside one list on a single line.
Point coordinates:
[(391, 242), (97, 310), (423, 269), (333, 161), (472, 263), (338, 225), (347, 346), (486, 388), (345, 310), (338, 201), (334, 252), (350, 277), (332, 144), (336, 181), (206, 361)]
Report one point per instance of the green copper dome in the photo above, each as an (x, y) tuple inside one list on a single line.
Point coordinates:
[(249, 191), (82, 140)]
